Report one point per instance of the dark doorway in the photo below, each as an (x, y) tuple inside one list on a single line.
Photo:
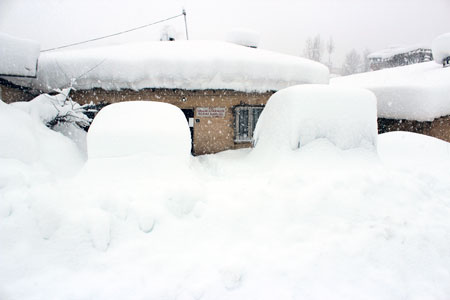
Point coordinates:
[(189, 114)]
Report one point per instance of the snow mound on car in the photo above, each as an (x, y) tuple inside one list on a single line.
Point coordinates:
[(298, 115), (129, 128)]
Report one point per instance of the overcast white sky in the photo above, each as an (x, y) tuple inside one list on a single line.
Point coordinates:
[(284, 25)]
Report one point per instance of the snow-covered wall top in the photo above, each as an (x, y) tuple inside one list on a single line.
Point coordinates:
[(18, 57), (441, 47), (181, 64), (415, 92), (394, 50)]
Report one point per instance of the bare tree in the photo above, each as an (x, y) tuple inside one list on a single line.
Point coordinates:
[(352, 63), (317, 48), (313, 48), (366, 61), (308, 50), (330, 50)]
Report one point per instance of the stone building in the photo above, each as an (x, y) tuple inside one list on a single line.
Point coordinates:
[(18, 59), (221, 87)]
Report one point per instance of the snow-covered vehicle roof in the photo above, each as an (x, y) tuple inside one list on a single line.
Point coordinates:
[(395, 50), (18, 57), (415, 92), (188, 65), (298, 115)]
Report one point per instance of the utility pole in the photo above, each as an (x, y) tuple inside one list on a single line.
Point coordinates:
[(185, 24)]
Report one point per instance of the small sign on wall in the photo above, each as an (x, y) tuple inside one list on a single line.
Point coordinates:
[(211, 112)]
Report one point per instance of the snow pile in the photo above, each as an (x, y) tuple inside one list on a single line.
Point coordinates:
[(400, 149), (18, 57), (395, 50), (298, 115), (441, 48), (129, 128), (415, 92), (180, 64), (244, 37), (28, 145)]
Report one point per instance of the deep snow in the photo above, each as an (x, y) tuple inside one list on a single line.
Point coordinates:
[(318, 222)]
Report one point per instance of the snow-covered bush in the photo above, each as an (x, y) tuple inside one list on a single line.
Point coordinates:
[(244, 37), (59, 113), (56, 109), (129, 128), (295, 116), (168, 33), (441, 48), (25, 139)]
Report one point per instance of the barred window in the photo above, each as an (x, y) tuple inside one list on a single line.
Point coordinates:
[(245, 122)]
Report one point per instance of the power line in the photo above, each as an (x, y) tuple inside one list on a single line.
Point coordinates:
[(118, 33)]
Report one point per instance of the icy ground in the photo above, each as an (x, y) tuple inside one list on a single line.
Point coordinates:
[(317, 222)]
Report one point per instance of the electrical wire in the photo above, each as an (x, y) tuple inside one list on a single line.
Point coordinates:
[(114, 34)]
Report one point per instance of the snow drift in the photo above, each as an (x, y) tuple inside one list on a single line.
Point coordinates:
[(180, 64), (415, 92), (441, 48), (18, 57), (298, 115), (225, 228)]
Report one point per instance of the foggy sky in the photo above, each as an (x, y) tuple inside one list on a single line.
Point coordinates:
[(284, 25)]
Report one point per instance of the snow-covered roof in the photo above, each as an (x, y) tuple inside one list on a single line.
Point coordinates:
[(18, 57), (181, 64), (394, 50), (414, 92), (244, 37)]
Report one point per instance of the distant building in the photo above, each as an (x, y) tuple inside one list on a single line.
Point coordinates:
[(399, 56), (18, 59)]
